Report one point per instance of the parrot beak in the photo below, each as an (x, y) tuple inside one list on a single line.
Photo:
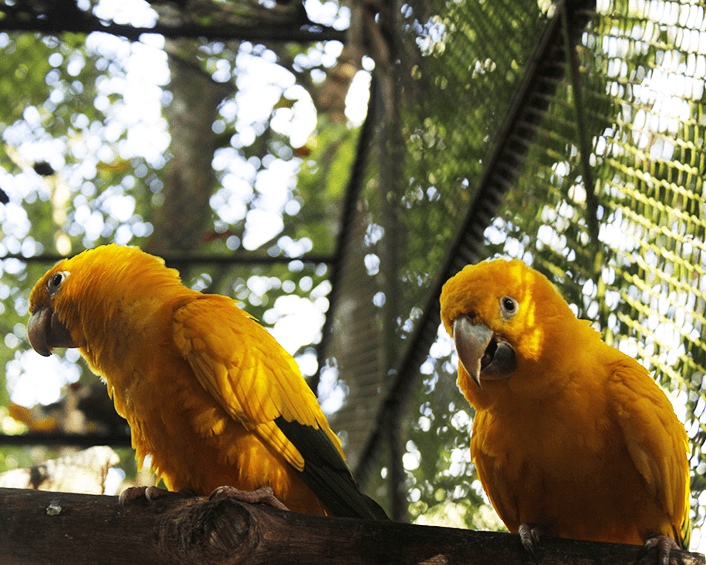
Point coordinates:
[(482, 352), (46, 332)]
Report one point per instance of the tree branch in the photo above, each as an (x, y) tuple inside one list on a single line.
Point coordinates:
[(175, 257), (301, 34), (42, 527)]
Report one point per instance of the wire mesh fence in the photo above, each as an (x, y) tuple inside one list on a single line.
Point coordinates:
[(603, 191)]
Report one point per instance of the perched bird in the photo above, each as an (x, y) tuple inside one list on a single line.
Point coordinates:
[(571, 438), (208, 392)]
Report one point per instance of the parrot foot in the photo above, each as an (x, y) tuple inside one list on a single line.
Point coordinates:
[(529, 536), (150, 493), (263, 495), (664, 545)]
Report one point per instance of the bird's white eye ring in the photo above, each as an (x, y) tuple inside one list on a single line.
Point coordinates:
[(508, 307), (56, 280)]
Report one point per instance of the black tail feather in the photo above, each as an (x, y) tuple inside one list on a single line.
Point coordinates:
[(327, 475)]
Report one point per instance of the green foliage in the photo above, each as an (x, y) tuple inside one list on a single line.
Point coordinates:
[(440, 433), (321, 184)]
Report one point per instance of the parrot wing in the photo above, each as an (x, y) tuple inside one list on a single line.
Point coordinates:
[(655, 439), (259, 384)]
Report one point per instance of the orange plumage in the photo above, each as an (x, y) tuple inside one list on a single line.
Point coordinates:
[(570, 435), (208, 393)]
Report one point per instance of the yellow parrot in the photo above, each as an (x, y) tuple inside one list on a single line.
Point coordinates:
[(208, 392), (571, 438)]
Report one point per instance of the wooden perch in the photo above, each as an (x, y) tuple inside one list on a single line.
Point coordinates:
[(60, 529)]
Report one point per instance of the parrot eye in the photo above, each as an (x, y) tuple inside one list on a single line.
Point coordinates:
[(508, 307), (55, 281)]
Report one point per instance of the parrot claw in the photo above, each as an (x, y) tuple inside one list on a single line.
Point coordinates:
[(263, 495), (529, 536), (134, 493), (150, 493), (664, 545)]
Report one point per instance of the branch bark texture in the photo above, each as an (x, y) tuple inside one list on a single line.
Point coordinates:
[(57, 528)]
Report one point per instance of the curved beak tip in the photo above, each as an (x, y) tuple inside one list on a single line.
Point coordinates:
[(45, 332), (36, 332), (471, 342), (476, 379)]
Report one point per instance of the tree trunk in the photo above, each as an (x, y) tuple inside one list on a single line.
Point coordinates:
[(189, 176)]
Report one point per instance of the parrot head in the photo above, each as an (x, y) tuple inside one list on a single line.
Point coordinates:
[(86, 294), (47, 328), (505, 319)]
